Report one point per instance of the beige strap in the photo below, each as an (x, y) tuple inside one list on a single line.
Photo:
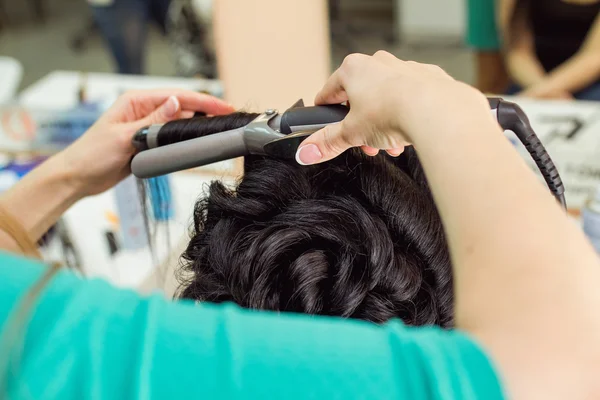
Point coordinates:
[(15, 230)]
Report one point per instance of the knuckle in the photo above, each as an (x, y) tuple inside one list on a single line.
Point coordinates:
[(382, 54), (330, 141), (128, 98), (347, 138), (436, 69), (123, 139), (352, 60)]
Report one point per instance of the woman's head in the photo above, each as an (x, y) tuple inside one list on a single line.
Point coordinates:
[(356, 237)]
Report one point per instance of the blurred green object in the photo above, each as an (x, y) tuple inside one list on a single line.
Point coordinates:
[(482, 31)]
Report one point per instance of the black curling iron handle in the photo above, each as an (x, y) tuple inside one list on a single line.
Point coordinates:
[(189, 154), (311, 118)]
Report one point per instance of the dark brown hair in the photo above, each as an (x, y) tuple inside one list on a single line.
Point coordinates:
[(356, 237)]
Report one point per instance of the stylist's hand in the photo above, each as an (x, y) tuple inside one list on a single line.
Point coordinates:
[(393, 103), (101, 157)]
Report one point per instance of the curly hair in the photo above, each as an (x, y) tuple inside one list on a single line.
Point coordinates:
[(356, 237)]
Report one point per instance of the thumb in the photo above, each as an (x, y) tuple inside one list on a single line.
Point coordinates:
[(166, 112), (323, 145)]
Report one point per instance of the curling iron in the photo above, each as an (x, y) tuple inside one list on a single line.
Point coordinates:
[(279, 135), (270, 134)]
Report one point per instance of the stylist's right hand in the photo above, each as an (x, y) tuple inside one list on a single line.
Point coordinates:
[(393, 103)]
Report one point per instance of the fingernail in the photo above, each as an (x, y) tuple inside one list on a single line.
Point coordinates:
[(309, 154), (171, 107)]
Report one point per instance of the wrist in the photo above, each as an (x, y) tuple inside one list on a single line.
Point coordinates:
[(457, 133), (65, 177), (43, 195), (469, 115), (546, 90), (535, 83), (538, 85)]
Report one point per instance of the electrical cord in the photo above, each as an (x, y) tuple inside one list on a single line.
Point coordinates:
[(511, 117)]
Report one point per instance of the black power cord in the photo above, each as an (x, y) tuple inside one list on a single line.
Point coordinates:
[(511, 117)]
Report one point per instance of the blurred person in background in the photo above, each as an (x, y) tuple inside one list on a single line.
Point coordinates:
[(190, 33), (124, 24), (483, 37), (552, 47)]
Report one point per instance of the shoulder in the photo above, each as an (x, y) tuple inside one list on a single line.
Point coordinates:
[(124, 343)]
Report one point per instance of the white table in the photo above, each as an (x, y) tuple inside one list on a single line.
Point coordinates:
[(59, 89), (88, 220)]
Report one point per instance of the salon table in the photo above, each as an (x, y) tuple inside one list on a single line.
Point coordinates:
[(89, 220), (60, 89)]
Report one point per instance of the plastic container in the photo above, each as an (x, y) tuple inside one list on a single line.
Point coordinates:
[(161, 198), (131, 215)]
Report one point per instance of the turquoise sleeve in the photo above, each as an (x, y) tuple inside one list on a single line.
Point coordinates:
[(482, 31), (86, 339)]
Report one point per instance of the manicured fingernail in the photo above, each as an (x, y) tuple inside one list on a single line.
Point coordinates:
[(309, 154), (171, 107)]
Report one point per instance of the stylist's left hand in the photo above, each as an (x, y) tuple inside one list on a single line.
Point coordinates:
[(100, 158)]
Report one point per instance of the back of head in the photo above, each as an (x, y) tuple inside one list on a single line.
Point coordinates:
[(356, 237)]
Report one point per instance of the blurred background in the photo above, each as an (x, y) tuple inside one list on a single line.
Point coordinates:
[(48, 35), (63, 62)]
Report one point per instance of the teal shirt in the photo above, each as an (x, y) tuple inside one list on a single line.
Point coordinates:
[(87, 339), (482, 30)]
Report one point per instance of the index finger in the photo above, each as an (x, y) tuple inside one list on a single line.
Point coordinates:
[(208, 104), (335, 89), (333, 92), (189, 100)]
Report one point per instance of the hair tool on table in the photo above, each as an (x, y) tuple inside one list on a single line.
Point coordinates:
[(279, 135)]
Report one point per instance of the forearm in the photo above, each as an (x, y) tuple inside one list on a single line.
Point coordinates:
[(573, 75), (522, 217), (524, 68), (525, 276), (39, 199)]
